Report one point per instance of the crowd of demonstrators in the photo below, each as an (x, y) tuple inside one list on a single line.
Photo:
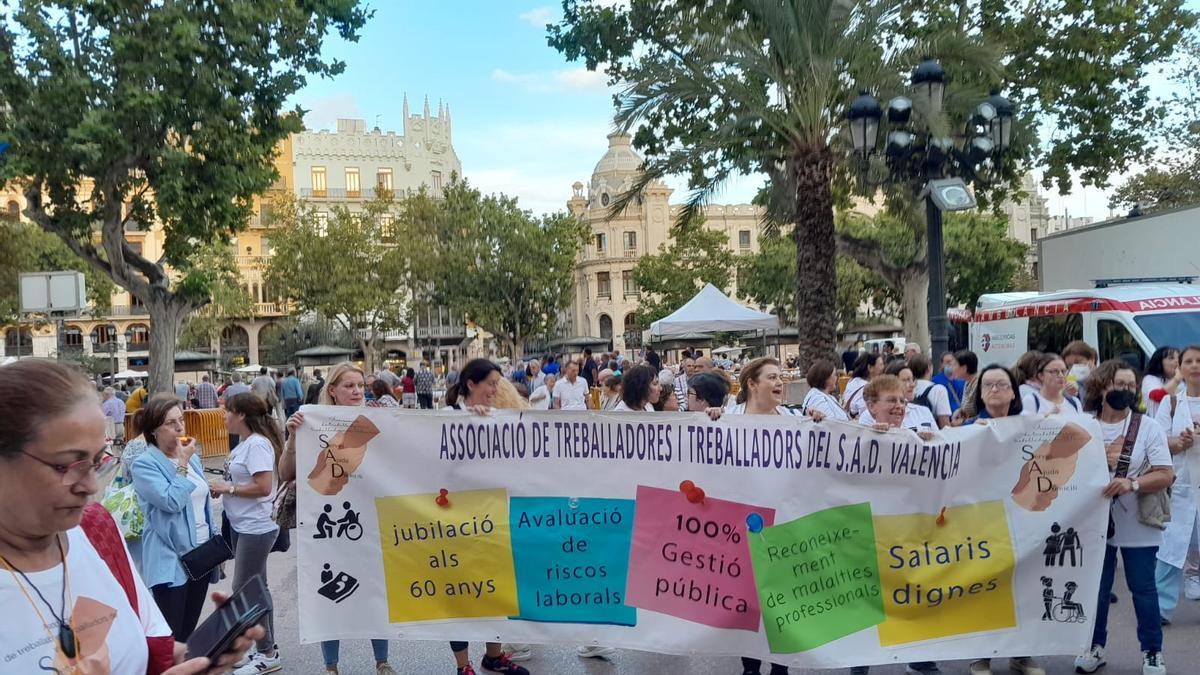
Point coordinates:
[(1140, 463), (57, 549)]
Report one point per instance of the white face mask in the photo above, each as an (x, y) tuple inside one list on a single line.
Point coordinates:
[(1080, 371)]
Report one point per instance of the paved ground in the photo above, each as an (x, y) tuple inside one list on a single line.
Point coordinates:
[(1182, 647)]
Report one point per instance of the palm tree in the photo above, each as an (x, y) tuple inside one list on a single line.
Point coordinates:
[(762, 86)]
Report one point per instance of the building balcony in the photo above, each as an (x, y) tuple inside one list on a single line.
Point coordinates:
[(128, 310), (343, 193), (270, 309), (440, 332), (252, 261), (137, 347)]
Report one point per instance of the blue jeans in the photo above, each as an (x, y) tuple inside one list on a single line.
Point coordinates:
[(329, 650), (1139, 576)]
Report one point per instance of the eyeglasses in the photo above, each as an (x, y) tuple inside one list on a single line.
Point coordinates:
[(996, 386), (75, 472), (1056, 372)]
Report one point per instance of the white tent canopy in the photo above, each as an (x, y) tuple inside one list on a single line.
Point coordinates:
[(712, 311), (252, 368), (126, 374)]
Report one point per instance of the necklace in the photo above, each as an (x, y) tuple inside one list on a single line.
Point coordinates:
[(67, 641)]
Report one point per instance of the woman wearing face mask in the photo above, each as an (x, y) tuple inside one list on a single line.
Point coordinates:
[(1050, 398), (1162, 373), (344, 386), (945, 377), (822, 389), (867, 367), (1111, 393), (1179, 413), (1080, 358)]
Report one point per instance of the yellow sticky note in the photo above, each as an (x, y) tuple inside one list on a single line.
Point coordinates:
[(447, 562), (949, 579)]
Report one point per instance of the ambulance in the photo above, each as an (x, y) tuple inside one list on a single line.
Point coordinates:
[(1120, 321)]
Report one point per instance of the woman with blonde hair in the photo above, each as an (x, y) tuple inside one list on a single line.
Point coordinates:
[(344, 386)]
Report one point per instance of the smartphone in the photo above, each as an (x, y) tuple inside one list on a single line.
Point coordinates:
[(243, 609)]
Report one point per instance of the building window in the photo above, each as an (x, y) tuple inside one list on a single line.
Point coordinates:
[(353, 183), (72, 337), (264, 246), (744, 239), (603, 285), (383, 179), (1033, 235), (628, 284), (630, 240), (319, 187), (435, 181), (322, 220), (387, 228), (601, 243), (14, 211), (138, 334)]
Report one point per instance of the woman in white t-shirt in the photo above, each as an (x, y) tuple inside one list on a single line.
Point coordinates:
[(640, 389), (1111, 394), (1161, 369), (916, 417), (1179, 414), (543, 396), (247, 494), (65, 609), (1051, 397), (867, 367), (822, 388)]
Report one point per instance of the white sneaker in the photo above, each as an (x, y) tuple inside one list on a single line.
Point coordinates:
[(981, 667), (595, 652), (518, 651), (1153, 664), (250, 653), (1091, 661), (260, 664), (1191, 588), (1025, 665)]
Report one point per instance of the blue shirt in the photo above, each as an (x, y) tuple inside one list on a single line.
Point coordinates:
[(292, 388), (170, 529), (953, 387), (113, 408)]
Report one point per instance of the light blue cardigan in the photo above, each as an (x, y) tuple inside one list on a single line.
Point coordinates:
[(170, 529)]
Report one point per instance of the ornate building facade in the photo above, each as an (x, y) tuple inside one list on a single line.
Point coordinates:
[(606, 297)]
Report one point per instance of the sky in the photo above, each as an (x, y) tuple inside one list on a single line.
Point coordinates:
[(525, 121)]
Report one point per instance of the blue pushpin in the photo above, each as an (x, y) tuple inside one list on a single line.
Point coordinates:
[(754, 523)]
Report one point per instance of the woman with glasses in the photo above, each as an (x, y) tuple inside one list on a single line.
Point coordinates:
[(1111, 392), (70, 605), (1050, 397), (173, 493)]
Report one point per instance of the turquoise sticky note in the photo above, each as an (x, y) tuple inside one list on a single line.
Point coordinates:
[(572, 558)]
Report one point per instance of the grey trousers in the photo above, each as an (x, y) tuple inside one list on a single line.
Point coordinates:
[(250, 558)]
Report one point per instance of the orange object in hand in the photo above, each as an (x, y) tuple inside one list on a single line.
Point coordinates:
[(184, 440)]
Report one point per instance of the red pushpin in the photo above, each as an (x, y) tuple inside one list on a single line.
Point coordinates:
[(442, 500), (695, 496), (687, 486), (941, 519)]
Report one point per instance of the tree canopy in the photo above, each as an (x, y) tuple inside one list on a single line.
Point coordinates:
[(124, 112), (509, 272), (696, 255)]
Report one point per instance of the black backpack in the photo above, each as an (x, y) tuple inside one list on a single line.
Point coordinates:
[(923, 399)]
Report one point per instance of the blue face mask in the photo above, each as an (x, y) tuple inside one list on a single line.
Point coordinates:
[(948, 370)]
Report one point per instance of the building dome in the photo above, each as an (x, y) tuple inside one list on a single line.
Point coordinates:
[(616, 171)]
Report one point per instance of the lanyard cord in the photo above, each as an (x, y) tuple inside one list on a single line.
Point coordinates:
[(67, 641)]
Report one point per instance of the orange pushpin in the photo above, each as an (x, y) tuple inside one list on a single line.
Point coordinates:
[(941, 519), (695, 496), (687, 486), (441, 499)]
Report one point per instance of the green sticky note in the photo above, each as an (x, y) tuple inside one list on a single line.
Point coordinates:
[(817, 577)]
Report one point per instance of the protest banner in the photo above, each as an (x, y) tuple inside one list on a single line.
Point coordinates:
[(812, 545)]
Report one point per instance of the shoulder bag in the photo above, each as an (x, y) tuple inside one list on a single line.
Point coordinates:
[(1154, 508)]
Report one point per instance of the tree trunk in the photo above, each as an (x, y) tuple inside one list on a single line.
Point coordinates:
[(518, 349), (166, 316), (816, 259), (368, 349), (914, 301)]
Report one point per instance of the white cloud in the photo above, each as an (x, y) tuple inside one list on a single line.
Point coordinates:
[(324, 112), (569, 79), (538, 17)]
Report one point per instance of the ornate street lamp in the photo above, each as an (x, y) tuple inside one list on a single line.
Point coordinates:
[(917, 156)]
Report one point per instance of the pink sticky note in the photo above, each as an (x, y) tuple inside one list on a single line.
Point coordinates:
[(692, 560)]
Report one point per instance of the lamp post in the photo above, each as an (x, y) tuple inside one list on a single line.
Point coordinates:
[(933, 165), (111, 346)]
